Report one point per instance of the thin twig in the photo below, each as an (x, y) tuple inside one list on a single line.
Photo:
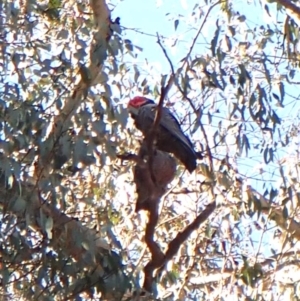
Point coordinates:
[(166, 54), (152, 134), (173, 76), (199, 31)]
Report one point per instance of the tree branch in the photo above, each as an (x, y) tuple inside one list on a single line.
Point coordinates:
[(159, 259), (157, 118), (98, 55), (292, 9), (173, 247)]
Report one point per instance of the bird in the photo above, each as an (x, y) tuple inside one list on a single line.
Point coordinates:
[(169, 135), (164, 171)]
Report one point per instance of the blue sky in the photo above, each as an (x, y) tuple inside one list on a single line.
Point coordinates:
[(151, 17)]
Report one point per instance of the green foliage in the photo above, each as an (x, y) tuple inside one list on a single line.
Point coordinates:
[(68, 226)]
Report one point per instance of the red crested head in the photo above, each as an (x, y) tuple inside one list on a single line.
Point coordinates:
[(139, 101)]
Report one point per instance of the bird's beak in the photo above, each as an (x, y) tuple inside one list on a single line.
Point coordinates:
[(132, 110)]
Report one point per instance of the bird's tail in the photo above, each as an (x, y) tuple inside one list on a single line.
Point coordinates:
[(199, 155), (187, 156)]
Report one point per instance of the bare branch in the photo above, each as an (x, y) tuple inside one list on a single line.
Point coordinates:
[(163, 94), (161, 259)]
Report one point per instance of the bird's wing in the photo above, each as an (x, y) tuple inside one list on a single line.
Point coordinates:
[(167, 121)]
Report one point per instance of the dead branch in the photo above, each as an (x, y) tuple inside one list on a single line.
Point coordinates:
[(160, 258)]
